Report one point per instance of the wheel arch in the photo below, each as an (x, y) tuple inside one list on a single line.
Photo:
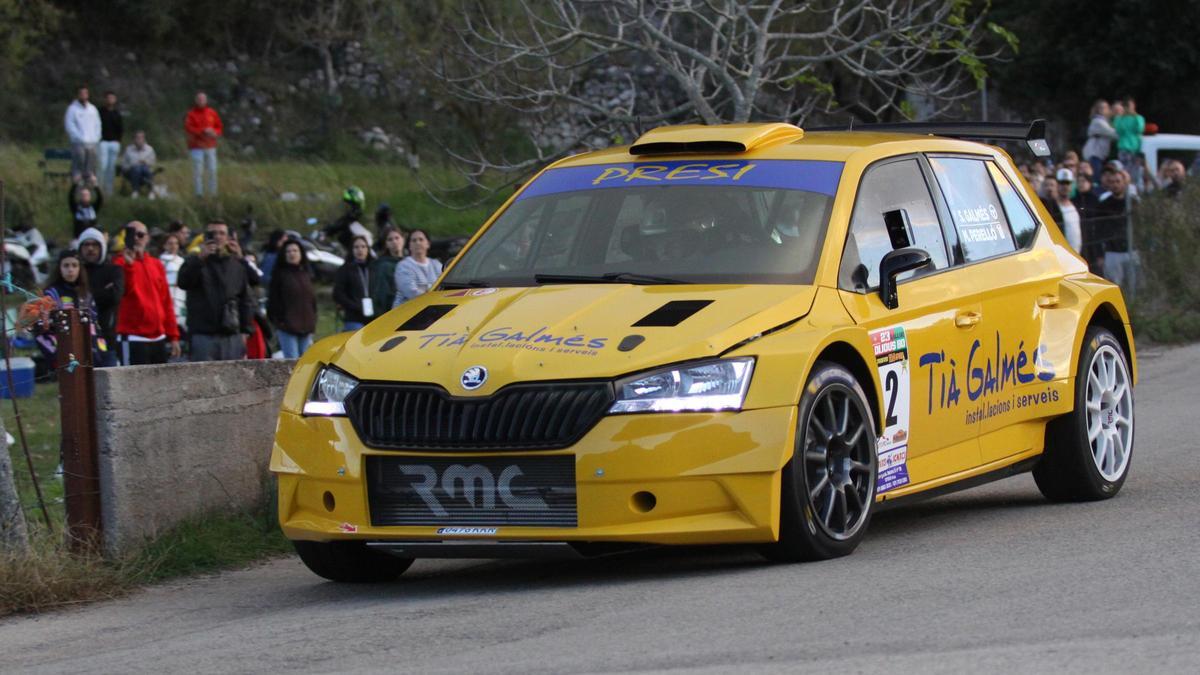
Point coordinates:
[(846, 355), (1106, 316)]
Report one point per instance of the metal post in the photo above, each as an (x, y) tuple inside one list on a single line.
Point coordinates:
[(77, 405)]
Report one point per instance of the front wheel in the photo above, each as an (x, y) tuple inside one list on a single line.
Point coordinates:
[(1088, 451), (829, 484), (350, 561)]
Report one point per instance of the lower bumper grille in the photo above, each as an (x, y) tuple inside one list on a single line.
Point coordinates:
[(538, 491)]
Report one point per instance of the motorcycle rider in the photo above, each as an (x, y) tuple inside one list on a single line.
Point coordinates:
[(349, 225)]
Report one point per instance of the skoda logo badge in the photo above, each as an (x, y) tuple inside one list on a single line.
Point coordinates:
[(474, 377)]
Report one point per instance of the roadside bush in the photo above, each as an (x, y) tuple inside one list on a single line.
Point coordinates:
[(48, 576), (1167, 305)]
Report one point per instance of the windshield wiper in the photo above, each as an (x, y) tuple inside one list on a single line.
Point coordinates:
[(472, 283), (607, 278)]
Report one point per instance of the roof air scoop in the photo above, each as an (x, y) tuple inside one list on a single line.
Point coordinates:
[(719, 139)]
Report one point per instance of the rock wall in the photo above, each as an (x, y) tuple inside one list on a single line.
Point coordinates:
[(180, 440)]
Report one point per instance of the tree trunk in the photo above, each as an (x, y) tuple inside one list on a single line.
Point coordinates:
[(13, 536)]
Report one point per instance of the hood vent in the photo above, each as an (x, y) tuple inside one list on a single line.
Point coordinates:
[(673, 313), (426, 317)]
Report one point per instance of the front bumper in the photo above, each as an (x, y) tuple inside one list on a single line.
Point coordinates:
[(715, 478)]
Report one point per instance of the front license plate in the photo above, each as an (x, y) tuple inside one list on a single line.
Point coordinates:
[(537, 491)]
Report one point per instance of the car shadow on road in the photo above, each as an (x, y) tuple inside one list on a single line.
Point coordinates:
[(929, 519)]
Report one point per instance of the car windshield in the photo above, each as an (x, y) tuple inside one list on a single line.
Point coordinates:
[(700, 221)]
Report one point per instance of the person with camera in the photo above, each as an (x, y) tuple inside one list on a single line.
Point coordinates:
[(146, 325), (220, 307)]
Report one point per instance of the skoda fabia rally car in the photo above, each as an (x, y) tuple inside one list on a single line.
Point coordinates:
[(719, 334)]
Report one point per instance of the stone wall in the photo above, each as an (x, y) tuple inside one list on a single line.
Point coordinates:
[(182, 439)]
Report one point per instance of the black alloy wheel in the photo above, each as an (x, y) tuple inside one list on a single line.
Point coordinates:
[(838, 466), (829, 485)]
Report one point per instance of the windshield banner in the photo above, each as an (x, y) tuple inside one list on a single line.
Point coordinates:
[(808, 175)]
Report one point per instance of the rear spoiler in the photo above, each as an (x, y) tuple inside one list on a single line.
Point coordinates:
[(1033, 133)]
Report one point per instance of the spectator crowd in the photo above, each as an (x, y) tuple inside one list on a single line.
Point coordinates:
[(156, 295), (1092, 197)]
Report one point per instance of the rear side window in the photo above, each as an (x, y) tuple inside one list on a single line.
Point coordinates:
[(893, 204), (1024, 227), (975, 208)]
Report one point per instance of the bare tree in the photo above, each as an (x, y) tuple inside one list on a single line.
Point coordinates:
[(586, 72)]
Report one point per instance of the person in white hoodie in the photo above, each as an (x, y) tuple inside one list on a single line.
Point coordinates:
[(1101, 135), (82, 123)]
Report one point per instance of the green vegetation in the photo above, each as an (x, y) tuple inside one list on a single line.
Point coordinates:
[(247, 188), (39, 416), (1167, 305), (49, 576)]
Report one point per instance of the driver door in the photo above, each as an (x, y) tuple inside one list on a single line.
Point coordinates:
[(918, 345)]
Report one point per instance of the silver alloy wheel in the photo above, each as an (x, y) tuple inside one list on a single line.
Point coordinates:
[(1109, 412)]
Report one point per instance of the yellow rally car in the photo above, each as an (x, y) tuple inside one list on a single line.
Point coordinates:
[(719, 334)]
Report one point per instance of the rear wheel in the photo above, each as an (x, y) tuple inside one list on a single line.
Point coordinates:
[(1088, 451), (829, 485), (350, 561)]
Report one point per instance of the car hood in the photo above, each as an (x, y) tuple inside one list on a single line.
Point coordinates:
[(556, 332)]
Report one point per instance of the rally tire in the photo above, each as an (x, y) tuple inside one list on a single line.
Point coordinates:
[(350, 561), (826, 504), (1089, 451)]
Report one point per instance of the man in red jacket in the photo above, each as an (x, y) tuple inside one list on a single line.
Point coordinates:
[(203, 128), (146, 318)]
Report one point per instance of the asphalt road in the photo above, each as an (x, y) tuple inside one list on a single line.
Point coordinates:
[(994, 579)]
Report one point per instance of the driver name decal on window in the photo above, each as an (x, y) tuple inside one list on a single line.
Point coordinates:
[(811, 175)]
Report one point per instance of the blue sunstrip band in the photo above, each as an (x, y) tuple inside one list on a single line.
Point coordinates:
[(810, 175)]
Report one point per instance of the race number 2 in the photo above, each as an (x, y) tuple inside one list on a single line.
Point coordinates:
[(891, 359)]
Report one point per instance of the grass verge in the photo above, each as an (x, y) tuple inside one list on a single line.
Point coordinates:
[(47, 576)]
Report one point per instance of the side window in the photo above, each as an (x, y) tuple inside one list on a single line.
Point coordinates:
[(975, 207), (891, 196), (1024, 227)]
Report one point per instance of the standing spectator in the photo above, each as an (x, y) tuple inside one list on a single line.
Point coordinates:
[(172, 260), (68, 287), (85, 203), (146, 323), (203, 128), (220, 310), (82, 122), (1129, 126), (270, 254), (383, 271), (1069, 219), (383, 225), (111, 128), (1114, 208), (1174, 177), (352, 286), (187, 244), (291, 301), (418, 272), (107, 283), (138, 164), (1100, 136)]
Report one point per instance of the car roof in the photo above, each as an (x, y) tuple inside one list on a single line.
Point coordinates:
[(769, 141)]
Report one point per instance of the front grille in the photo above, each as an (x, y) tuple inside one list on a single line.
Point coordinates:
[(528, 416), (538, 491)]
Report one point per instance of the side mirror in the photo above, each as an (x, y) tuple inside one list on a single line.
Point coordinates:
[(894, 264)]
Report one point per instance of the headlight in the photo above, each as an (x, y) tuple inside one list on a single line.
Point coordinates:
[(709, 385), (329, 392)]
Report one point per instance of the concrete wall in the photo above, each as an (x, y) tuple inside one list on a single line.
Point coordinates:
[(182, 439)]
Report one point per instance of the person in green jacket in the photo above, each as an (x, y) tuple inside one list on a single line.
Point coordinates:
[(1129, 126), (383, 271)]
